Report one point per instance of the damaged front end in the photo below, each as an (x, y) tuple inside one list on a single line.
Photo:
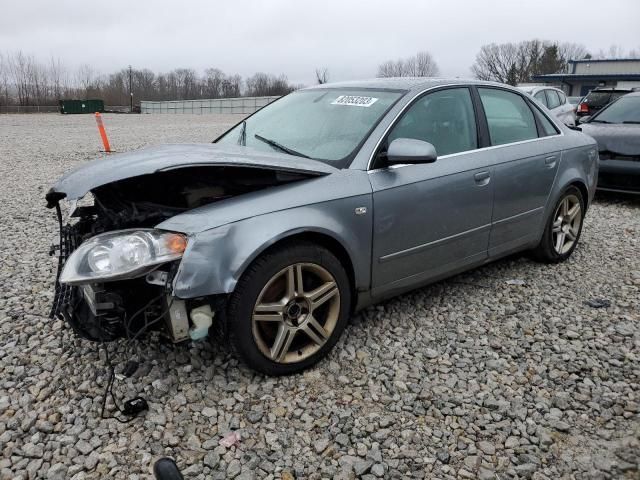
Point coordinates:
[(116, 269), (117, 284)]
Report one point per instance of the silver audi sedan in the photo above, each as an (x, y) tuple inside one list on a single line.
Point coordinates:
[(326, 201)]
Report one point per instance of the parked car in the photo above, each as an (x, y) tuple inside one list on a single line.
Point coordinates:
[(555, 100), (598, 98), (323, 202), (616, 128)]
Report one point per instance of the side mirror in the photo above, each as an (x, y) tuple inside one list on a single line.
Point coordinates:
[(409, 150), (584, 119)]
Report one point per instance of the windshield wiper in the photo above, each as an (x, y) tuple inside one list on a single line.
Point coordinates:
[(632, 121), (598, 121), (280, 147)]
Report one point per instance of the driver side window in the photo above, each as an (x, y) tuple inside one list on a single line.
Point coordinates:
[(444, 118)]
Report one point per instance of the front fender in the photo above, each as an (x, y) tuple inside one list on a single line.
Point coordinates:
[(216, 259)]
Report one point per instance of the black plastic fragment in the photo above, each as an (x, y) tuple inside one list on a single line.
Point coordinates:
[(598, 303), (134, 406), (166, 469)]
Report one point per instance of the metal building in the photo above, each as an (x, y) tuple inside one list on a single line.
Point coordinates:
[(585, 75), (243, 105)]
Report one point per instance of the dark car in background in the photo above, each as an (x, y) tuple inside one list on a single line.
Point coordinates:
[(616, 128), (598, 98)]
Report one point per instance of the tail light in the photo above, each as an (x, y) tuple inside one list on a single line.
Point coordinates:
[(583, 108)]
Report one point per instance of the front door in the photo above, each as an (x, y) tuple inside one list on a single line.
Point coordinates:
[(432, 219)]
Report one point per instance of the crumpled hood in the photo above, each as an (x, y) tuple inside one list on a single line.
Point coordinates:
[(78, 182), (623, 139)]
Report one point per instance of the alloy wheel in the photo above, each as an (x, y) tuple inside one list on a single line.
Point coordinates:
[(296, 312), (566, 224)]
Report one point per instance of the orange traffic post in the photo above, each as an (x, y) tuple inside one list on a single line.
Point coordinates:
[(103, 133)]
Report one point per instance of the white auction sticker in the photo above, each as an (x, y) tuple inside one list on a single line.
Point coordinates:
[(354, 101)]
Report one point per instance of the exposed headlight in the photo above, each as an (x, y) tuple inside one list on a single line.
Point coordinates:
[(121, 254)]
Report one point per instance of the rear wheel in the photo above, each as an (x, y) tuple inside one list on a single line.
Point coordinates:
[(563, 228), (289, 308)]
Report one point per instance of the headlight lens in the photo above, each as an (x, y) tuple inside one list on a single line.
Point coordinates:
[(122, 254)]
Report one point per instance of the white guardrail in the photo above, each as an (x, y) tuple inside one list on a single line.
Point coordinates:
[(243, 105)]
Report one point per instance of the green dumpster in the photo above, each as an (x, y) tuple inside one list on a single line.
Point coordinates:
[(81, 106)]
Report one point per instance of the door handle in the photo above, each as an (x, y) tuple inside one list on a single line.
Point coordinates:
[(482, 178), (551, 161)]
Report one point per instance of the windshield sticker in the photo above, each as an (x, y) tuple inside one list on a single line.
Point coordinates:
[(354, 101)]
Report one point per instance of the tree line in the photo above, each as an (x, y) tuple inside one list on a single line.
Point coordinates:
[(511, 63), (25, 80)]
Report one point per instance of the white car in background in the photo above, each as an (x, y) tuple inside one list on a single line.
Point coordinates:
[(555, 100)]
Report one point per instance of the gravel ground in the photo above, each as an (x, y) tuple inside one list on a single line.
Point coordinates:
[(469, 378)]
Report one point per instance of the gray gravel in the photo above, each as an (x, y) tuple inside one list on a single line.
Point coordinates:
[(468, 378)]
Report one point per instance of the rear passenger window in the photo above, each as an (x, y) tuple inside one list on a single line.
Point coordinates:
[(541, 97), (509, 117), (548, 128), (552, 99), (563, 99)]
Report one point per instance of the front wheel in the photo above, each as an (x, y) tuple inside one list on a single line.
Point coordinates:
[(289, 308), (563, 228)]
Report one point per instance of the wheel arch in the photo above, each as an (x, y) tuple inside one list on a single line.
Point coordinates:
[(318, 237), (215, 260), (580, 185)]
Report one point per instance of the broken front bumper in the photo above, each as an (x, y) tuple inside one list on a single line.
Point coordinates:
[(104, 312)]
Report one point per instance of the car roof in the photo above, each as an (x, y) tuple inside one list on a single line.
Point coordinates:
[(403, 83), (611, 89), (530, 89)]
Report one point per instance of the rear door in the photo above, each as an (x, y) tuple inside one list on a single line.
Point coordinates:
[(569, 116), (526, 161), (542, 98), (557, 103)]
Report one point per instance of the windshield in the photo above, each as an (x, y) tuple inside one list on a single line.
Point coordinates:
[(625, 110), (324, 124), (600, 99)]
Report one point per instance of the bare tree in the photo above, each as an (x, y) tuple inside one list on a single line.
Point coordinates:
[(322, 75), (4, 80), (231, 86), (56, 72), (262, 84), (26, 81), (84, 76), (420, 65), (426, 66), (517, 62), (389, 69), (571, 51), (613, 52), (19, 69), (496, 62), (213, 79)]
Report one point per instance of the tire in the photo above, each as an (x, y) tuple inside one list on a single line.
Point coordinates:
[(280, 325), (551, 248)]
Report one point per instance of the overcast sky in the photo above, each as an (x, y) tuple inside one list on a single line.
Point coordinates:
[(294, 37)]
